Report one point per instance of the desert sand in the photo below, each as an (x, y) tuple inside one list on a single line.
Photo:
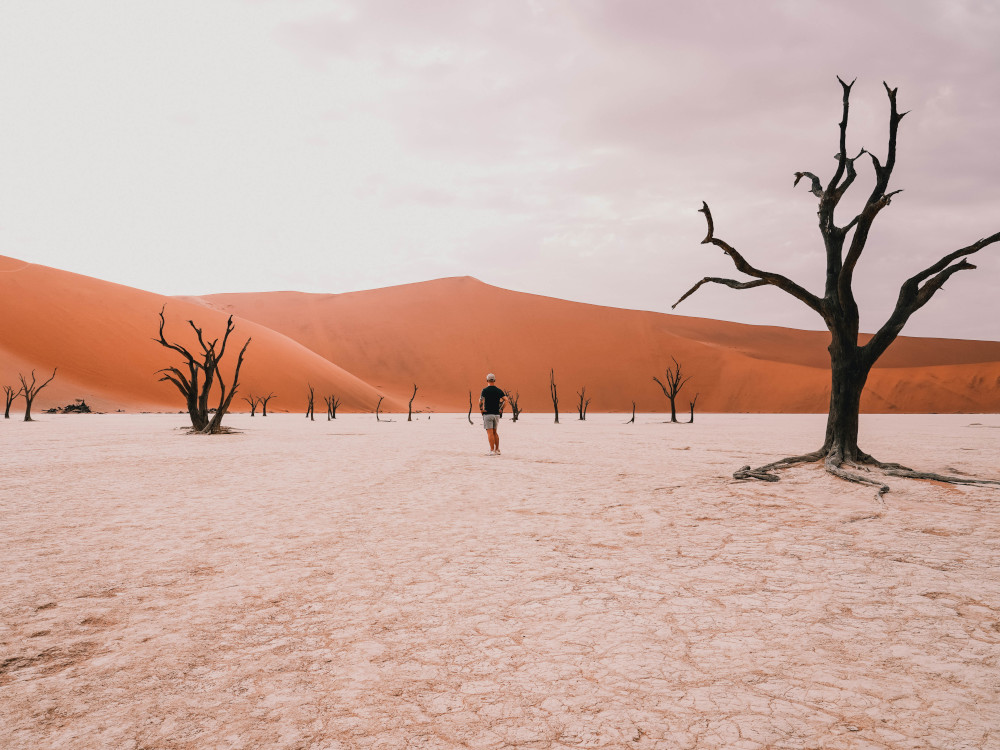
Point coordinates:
[(350, 584), (444, 336)]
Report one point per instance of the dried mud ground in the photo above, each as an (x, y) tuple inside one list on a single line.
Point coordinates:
[(360, 585)]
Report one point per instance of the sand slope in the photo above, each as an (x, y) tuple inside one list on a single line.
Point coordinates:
[(100, 336), (445, 335)]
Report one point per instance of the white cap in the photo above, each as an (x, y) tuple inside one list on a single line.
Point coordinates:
[(491, 376)]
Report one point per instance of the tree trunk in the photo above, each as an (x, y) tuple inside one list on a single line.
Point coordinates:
[(849, 373), (673, 409)]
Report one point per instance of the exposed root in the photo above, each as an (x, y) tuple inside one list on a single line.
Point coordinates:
[(834, 463), (765, 472)]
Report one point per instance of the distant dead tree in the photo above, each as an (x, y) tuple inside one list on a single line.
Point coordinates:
[(30, 391), (553, 393), (377, 406), (332, 402), (850, 362), (515, 406), (310, 404), (632, 420), (202, 372), (263, 403), (693, 402), (581, 407), (9, 396), (470, 406), (253, 401), (409, 413), (674, 381)]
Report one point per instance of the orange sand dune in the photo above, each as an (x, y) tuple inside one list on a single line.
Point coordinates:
[(445, 335), (100, 336)]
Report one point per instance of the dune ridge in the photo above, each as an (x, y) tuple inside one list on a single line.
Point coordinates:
[(444, 336)]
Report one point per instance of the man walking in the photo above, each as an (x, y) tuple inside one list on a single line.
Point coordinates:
[(491, 407)]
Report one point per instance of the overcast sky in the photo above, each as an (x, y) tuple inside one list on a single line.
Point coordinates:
[(554, 147)]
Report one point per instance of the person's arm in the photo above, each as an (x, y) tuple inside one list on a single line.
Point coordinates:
[(482, 404)]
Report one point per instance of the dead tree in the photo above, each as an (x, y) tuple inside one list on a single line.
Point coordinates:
[(693, 402), (9, 396), (470, 406), (310, 405), (377, 406), (515, 407), (253, 401), (202, 373), (632, 420), (30, 391), (332, 402), (675, 380), (581, 407), (850, 362), (409, 413), (263, 403), (552, 392)]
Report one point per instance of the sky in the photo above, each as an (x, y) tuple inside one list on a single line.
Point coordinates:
[(556, 147)]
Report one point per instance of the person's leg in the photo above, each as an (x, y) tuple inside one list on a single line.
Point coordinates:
[(496, 440)]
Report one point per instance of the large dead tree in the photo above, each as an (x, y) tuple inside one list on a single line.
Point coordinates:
[(673, 381), (553, 393), (202, 373), (850, 362), (9, 396), (30, 391), (409, 412)]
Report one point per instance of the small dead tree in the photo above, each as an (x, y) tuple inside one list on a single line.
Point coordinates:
[(253, 401), (632, 420), (310, 405), (30, 391), (850, 362), (515, 406), (674, 381), (693, 402), (202, 373), (470, 406), (263, 403), (377, 407), (581, 407), (409, 413), (9, 396), (332, 402), (553, 393)]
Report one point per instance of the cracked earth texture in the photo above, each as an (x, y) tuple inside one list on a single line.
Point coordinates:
[(354, 584)]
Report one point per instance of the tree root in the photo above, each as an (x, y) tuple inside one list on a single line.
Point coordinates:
[(834, 463)]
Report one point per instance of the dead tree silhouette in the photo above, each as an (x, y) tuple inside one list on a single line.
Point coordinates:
[(515, 406), (30, 391), (311, 403), (850, 362), (581, 407), (9, 396), (675, 380), (409, 412), (554, 394), (332, 402), (470, 406), (263, 403), (202, 372), (632, 420), (693, 402), (253, 401)]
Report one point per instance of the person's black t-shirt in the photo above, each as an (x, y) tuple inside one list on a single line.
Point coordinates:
[(491, 396)]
